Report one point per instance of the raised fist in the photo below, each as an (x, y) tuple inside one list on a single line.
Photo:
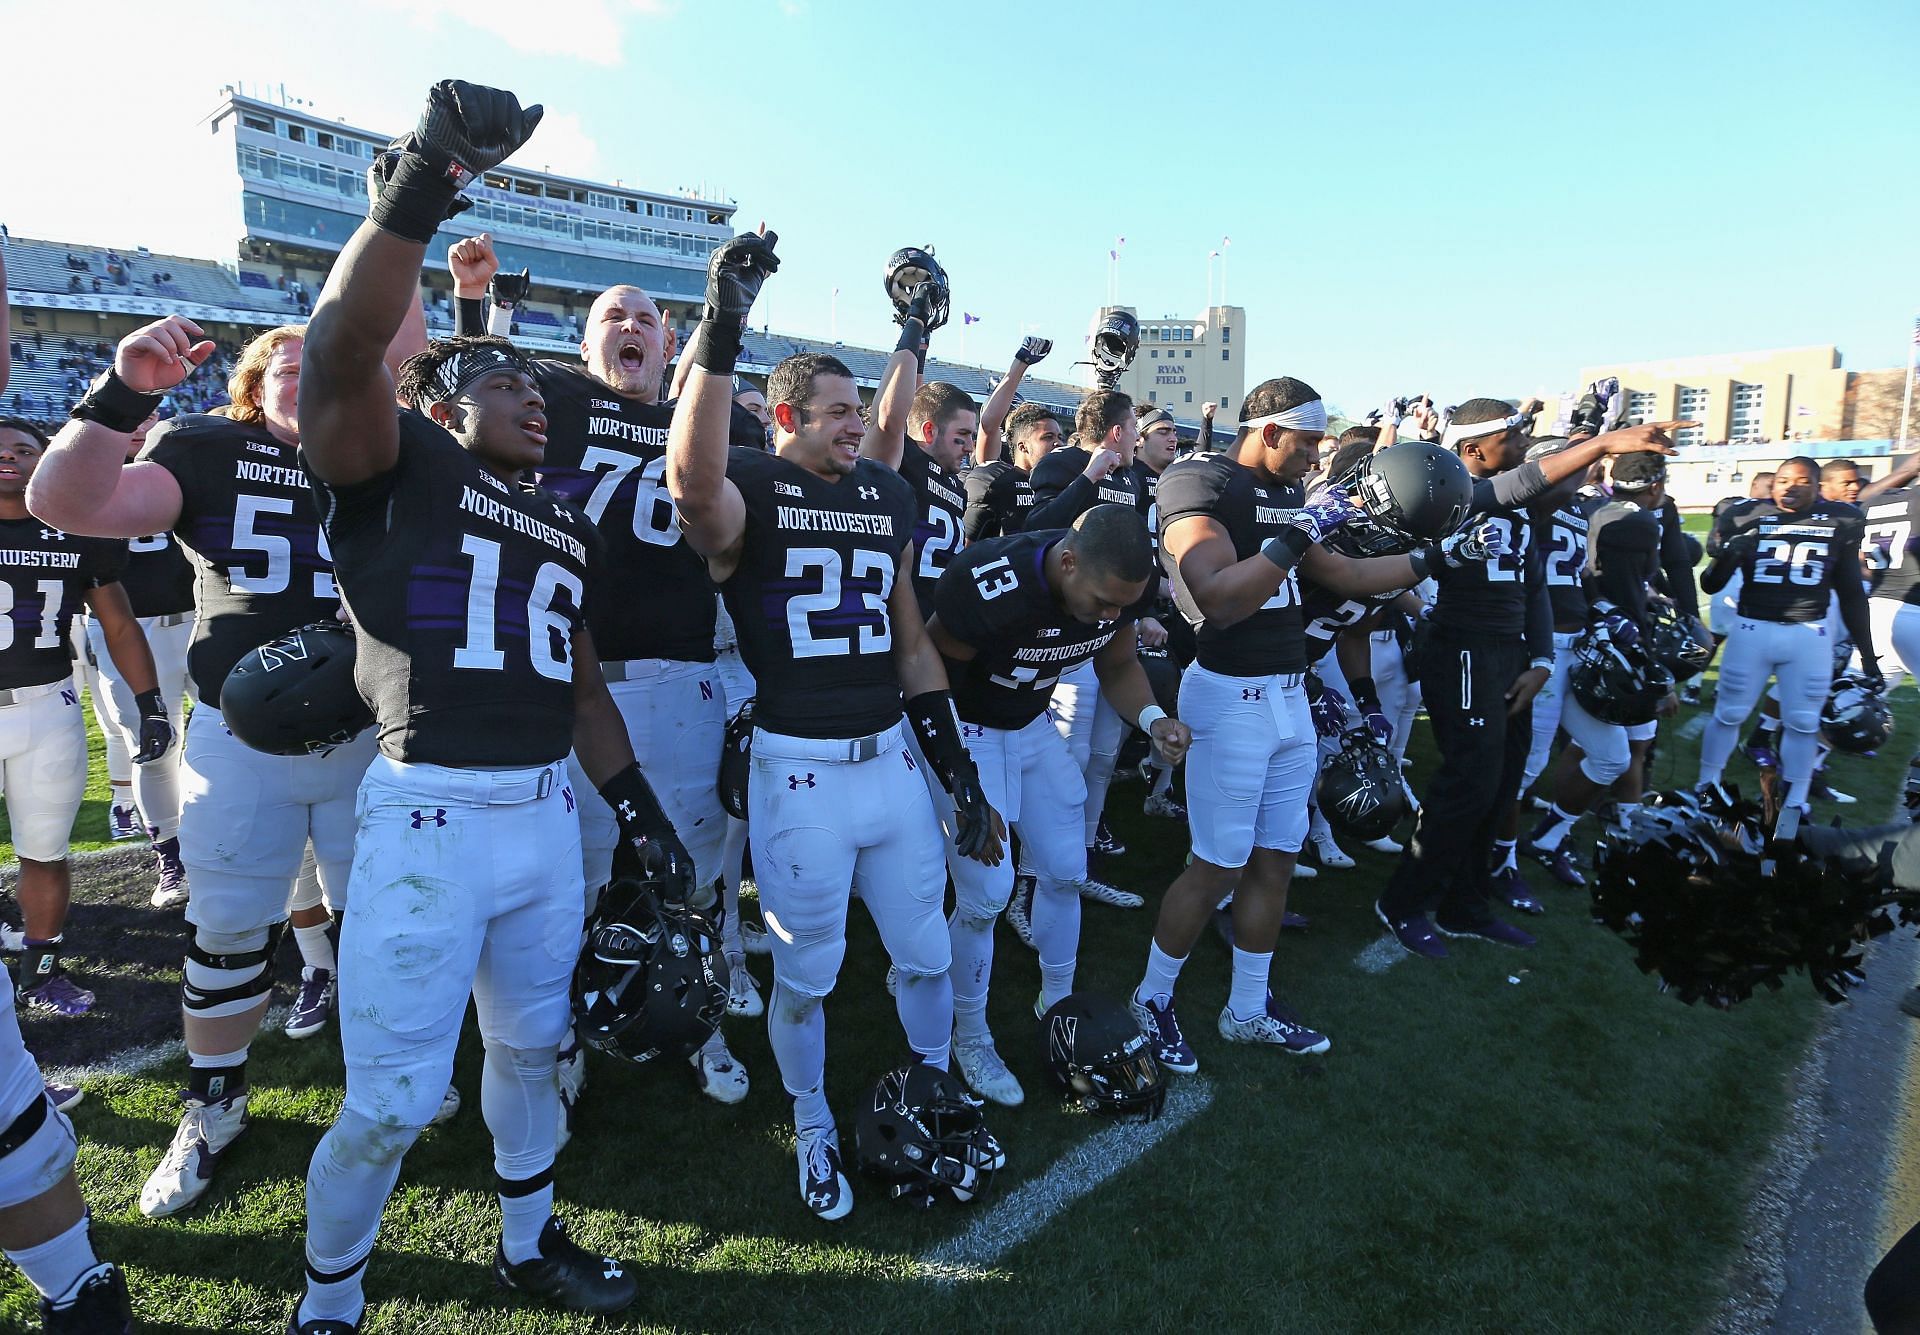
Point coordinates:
[(156, 357), (1033, 350), (476, 127), (510, 289), (473, 264), (1485, 541), (735, 272)]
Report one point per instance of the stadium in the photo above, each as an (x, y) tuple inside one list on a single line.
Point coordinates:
[(1534, 1139)]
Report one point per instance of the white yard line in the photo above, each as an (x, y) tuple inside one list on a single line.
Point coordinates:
[(140, 1060), (1030, 1207), (1379, 955)]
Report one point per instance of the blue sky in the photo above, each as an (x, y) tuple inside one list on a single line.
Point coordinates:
[(1458, 200)]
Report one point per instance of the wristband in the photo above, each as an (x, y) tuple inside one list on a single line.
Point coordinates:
[(151, 704), (1423, 560), (937, 726), (1546, 663), (1365, 694), (1149, 716), (470, 315), (1286, 547), (420, 191), (716, 344), (114, 404), (500, 320), (634, 806)]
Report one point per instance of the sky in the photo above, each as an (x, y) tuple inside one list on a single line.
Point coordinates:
[(1454, 200)]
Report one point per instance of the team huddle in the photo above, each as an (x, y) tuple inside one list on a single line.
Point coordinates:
[(524, 667)]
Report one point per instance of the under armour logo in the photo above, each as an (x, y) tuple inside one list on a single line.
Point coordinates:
[(972, 730), (420, 818), (869, 493), (1253, 693), (52, 535), (613, 1270), (627, 813), (794, 781), (567, 794), (1476, 723), (69, 697)]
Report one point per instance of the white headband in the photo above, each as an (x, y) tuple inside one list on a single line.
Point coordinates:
[(1458, 432), (1308, 416)]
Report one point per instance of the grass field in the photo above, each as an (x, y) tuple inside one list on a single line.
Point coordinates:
[(1504, 1141)]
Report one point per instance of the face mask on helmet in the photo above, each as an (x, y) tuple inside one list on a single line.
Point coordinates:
[(1095, 1052), (1116, 341), (908, 268), (924, 1135), (650, 981)]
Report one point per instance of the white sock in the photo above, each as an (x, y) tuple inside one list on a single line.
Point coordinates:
[(521, 1219), (1162, 777), (57, 1264), (810, 1111), (925, 1005), (1503, 859), (1056, 937), (1562, 825), (337, 1298), (1248, 1000), (316, 947), (1163, 972)]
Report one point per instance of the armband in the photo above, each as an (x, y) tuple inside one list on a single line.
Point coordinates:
[(1149, 716), (114, 404)]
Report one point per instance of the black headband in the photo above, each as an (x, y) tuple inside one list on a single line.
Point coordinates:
[(469, 364)]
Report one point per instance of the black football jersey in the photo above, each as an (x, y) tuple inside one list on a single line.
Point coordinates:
[(1623, 541), (1893, 517), (1061, 469), (999, 495), (44, 575), (608, 456), (1147, 483), (1273, 639), (1789, 572), (1715, 533), (939, 526), (995, 598), (159, 578), (465, 592), (249, 523), (1563, 557), (809, 597), (1489, 597)]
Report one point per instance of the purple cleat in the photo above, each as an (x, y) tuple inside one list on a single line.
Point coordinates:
[(1414, 933), (1487, 928), (1513, 891), (59, 995)]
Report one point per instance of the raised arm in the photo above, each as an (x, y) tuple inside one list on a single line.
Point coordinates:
[(712, 513), (84, 483), (6, 328), (887, 442), (1535, 478), (1901, 476), (993, 413), (348, 429)]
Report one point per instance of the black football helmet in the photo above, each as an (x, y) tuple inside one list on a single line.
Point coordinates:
[(908, 268), (736, 762), (1116, 341), (1096, 1053), (1856, 719), (1413, 493), (924, 1135), (295, 695), (650, 982), (1359, 789), (1680, 643), (1614, 683)]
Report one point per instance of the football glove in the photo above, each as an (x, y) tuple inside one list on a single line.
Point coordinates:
[(156, 729)]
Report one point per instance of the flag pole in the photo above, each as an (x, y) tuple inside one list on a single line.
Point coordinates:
[(1906, 397)]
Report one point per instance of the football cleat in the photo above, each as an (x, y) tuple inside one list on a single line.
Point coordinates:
[(96, 1304), (1102, 893), (1328, 853), (1020, 910), (124, 823), (719, 1074), (1278, 1027), (449, 1108), (987, 1075), (1162, 1028), (13, 940), (1163, 805), (1762, 753), (1487, 928), (320, 1325), (1105, 843), (1386, 843), (1515, 893), (171, 890), (65, 1098), (59, 995), (207, 1130), (314, 1004), (1557, 861), (1304, 871), (823, 1183), (567, 1274), (743, 994), (1414, 933)]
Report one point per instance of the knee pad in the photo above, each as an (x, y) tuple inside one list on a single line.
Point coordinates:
[(36, 1153), (378, 1142), (791, 1007), (980, 893), (1801, 718), (1604, 769), (228, 972)]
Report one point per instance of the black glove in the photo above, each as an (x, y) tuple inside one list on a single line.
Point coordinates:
[(510, 289), (735, 271), (1870, 673), (938, 729), (156, 729), (1033, 350), (648, 847), (466, 130)]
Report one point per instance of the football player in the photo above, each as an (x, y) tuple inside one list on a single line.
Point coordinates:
[(1794, 554), (159, 584), (45, 578), (607, 454), (1011, 616), (810, 545), (940, 426), (469, 591), (231, 491), (1622, 559), (1232, 538), (1000, 491), (1893, 518)]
